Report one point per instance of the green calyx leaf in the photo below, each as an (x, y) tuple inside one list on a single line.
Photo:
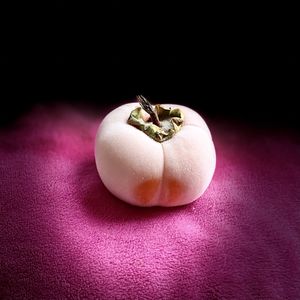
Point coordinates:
[(171, 121)]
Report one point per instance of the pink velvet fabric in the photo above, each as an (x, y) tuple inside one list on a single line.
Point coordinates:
[(63, 235)]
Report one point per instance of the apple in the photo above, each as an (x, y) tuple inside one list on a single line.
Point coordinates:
[(155, 156)]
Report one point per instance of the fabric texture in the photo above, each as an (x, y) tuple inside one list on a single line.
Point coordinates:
[(64, 236)]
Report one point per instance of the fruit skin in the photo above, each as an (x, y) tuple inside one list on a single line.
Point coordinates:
[(143, 172)]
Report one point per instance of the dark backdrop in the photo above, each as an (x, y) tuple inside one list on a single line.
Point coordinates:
[(230, 62)]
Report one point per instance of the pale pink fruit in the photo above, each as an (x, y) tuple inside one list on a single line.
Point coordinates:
[(143, 172)]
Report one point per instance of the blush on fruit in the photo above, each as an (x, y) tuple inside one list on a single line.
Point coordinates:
[(155, 156)]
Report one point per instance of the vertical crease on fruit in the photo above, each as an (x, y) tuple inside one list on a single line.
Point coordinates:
[(160, 194), (170, 188)]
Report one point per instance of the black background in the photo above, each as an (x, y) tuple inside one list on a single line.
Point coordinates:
[(230, 62)]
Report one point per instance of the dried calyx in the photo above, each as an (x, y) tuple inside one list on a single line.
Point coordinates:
[(162, 123)]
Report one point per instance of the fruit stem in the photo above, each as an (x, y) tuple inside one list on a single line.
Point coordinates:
[(147, 106)]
